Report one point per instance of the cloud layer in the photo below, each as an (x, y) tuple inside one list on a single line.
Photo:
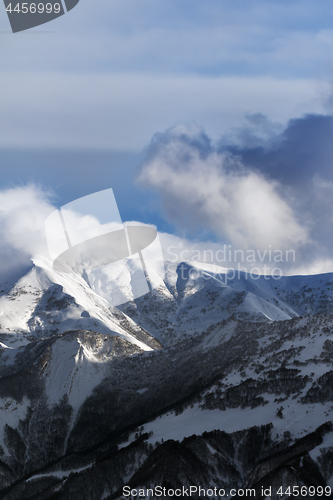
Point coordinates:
[(253, 38), (270, 189), (123, 70), (300, 158), (23, 211), (122, 111), (202, 188), (260, 188)]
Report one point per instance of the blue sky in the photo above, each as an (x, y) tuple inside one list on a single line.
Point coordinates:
[(83, 96)]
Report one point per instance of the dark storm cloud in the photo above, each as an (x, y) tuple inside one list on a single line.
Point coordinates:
[(294, 156)]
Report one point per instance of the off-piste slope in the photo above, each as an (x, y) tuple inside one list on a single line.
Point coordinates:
[(195, 297), (228, 377), (45, 302)]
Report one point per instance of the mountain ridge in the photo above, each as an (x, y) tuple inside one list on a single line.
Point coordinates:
[(90, 394)]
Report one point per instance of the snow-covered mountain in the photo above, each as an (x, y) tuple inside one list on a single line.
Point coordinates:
[(196, 297), (227, 378)]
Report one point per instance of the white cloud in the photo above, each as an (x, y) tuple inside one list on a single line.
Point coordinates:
[(218, 256), (318, 266), (23, 211), (214, 192)]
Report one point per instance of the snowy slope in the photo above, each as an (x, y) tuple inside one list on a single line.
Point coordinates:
[(194, 298), (45, 302), (191, 299), (204, 351)]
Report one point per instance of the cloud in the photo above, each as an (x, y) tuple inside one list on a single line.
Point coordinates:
[(217, 255), (252, 37), (203, 189), (122, 111), (300, 158), (318, 266), (257, 132), (114, 78), (262, 185), (293, 155), (23, 211)]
